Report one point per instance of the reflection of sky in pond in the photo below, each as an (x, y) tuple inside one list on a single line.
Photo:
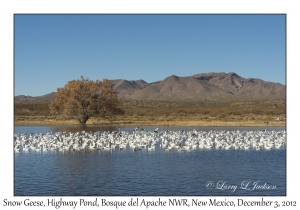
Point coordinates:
[(143, 173)]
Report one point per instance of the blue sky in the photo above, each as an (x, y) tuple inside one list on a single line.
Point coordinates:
[(50, 50)]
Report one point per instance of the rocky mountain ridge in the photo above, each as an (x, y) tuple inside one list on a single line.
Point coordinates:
[(204, 86)]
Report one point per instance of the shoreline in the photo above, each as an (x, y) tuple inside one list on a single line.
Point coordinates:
[(160, 123)]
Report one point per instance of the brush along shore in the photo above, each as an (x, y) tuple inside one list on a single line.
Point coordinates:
[(166, 113)]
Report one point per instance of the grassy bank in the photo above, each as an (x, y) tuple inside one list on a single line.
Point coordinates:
[(164, 113)]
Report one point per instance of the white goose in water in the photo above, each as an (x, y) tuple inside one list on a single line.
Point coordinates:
[(141, 139), (151, 147)]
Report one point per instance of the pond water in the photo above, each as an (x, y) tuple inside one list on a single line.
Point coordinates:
[(210, 172)]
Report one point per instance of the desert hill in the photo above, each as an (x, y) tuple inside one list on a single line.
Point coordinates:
[(211, 86)]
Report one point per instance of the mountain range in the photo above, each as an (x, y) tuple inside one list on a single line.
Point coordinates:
[(211, 86)]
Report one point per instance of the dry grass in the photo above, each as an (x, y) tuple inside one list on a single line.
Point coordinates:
[(249, 113)]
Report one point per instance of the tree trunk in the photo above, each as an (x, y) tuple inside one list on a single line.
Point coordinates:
[(82, 120), (82, 124)]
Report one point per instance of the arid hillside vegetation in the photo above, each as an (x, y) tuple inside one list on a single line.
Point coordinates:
[(165, 113)]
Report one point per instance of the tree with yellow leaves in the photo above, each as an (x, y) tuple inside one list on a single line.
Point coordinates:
[(84, 98)]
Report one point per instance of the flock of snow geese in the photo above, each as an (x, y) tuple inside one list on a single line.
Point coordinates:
[(140, 139)]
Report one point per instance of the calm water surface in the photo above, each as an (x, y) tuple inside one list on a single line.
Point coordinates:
[(153, 173)]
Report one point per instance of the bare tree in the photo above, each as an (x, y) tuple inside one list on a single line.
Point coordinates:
[(84, 98)]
